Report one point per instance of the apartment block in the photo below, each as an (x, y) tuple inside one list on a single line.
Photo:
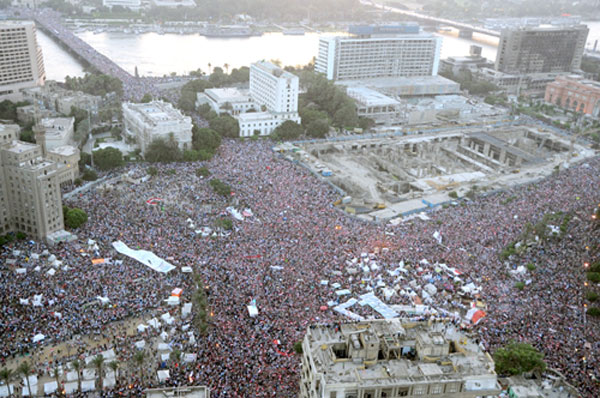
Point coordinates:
[(30, 197), (542, 49), (379, 51), (21, 62), (394, 358)]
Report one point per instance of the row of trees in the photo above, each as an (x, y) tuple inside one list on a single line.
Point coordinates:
[(95, 84), (471, 83)]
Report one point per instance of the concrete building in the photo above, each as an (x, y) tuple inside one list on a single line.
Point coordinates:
[(178, 392), (407, 86), (542, 49), (379, 51), (274, 88), (68, 156), (531, 84), (471, 62), (389, 358), (59, 131), (173, 3), (144, 123), (133, 5), (575, 93), (21, 62), (262, 123), (30, 197), (374, 105), (230, 100), (53, 97)]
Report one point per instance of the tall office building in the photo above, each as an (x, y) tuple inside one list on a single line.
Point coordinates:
[(542, 49), (379, 51), (273, 87), (30, 197), (21, 63)]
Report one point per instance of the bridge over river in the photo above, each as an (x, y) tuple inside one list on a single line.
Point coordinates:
[(50, 21)]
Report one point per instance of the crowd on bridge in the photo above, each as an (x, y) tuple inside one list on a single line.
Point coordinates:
[(289, 241)]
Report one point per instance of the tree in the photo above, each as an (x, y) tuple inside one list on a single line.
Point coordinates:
[(146, 98), (175, 356), (318, 128), (139, 358), (152, 171), (27, 135), (75, 218), (220, 187), (517, 358), (95, 84), (77, 368), (202, 172), (161, 150), (288, 130), (25, 370), (90, 175), (6, 375), (226, 126), (114, 366), (98, 363), (298, 347), (187, 99), (108, 158), (191, 156), (346, 116), (205, 138), (56, 375)]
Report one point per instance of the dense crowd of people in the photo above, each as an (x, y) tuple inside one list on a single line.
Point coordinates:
[(278, 258)]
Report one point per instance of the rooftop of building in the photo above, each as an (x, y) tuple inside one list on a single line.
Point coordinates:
[(11, 23), (369, 97), (155, 112), (388, 82), (548, 27), (392, 29), (228, 94), (579, 79), (392, 352), (64, 150), (180, 392), (274, 70), (255, 116), (19, 147)]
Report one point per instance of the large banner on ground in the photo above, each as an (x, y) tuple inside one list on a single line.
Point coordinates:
[(145, 257)]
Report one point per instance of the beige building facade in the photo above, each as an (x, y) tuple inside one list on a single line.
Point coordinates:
[(30, 197), (394, 358)]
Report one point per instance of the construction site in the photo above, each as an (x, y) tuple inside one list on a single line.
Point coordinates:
[(387, 177)]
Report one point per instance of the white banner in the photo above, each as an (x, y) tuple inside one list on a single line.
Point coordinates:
[(145, 257)]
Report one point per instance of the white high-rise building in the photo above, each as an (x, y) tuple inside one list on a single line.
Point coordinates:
[(21, 62), (379, 52), (276, 91), (273, 87)]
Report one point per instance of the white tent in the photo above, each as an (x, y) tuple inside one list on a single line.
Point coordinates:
[(167, 318), (38, 337), (140, 344), (49, 388), (154, 323), (72, 376), (88, 385), (142, 328), (186, 270), (89, 374), (163, 347), (186, 310), (252, 311), (188, 358), (172, 300), (163, 375), (21, 270), (70, 388), (4, 391)]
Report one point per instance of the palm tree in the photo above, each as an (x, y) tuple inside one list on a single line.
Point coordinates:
[(77, 367), (6, 375), (114, 366), (25, 370), (209, 66), (57, 378), (175, 355), (98, 363), (139, 359), (226, 66)]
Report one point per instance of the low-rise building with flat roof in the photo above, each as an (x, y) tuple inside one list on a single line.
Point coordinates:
[(231, 100), (147, 122), (394, 358), (59, 131), (262, 123), (375, 105)]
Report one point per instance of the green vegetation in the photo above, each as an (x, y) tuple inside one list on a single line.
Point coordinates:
[(288, 130), (226, 126), (89, 175), (187, 99), (593, 311), (95, 84), (8, 110), (163, 151), (518, 358), (224, 223), (220, 187), (520, 285), (202, 172), (471, 83), (530, 267), (108, 158), (200, 306), (205, 141), (10, 237), (74, 217), (298, 347), (453, 195), (594, 277), (591, 296), (152, 171), (146, 98)]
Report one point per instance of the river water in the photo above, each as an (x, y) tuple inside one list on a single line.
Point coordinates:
[(158, 55)]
